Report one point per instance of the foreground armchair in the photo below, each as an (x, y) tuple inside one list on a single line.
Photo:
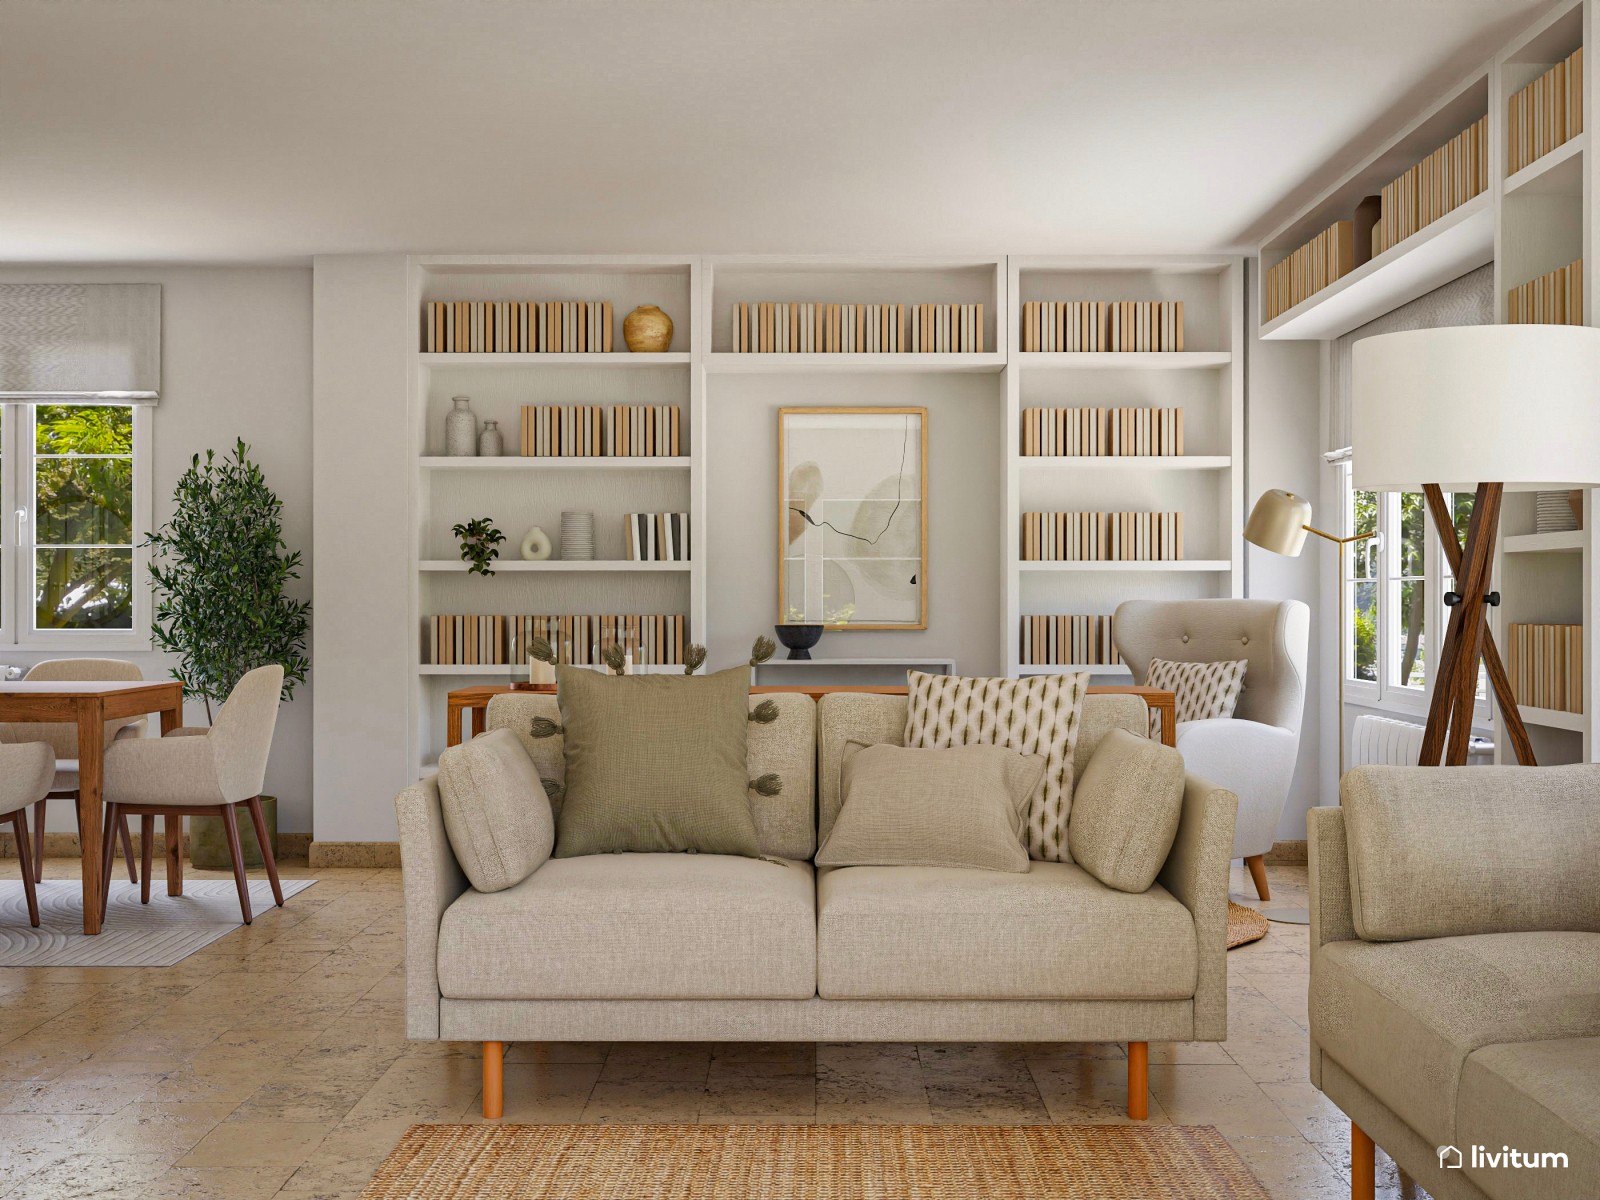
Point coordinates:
[(1455, 976)]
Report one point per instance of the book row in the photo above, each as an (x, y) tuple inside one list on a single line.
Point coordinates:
[(1094, 326), (1101, 432), (1545, 663), (807, 328), (601, 431), (1555, 298), (657, 537), (1067, 640), (653, 639), (1102, 536), (518, 327), (1545, 113), (1306, 271), (1449, 177)]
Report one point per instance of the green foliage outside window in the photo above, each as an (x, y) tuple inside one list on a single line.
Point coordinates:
[(83, 522)]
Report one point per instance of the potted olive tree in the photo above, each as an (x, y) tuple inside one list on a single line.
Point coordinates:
[(218, 569)]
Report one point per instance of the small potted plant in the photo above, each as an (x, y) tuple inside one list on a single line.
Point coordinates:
[(480, 542)]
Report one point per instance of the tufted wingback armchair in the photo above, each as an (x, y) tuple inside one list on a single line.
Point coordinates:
[(1252, 753)]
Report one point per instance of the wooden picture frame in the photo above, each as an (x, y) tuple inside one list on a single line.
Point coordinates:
[(874, 585)]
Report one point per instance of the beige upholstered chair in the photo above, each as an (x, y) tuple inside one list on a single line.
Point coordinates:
[(202, 772), (26, 769), (62, 737), (1252, 753)]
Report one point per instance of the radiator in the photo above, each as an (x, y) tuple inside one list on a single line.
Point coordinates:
[(1383, 741)]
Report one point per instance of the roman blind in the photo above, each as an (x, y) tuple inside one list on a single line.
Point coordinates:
[(1468, 300), (80, 343)]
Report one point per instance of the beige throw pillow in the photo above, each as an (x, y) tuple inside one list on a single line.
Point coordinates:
[(1125, 811), (1204, 691), (961, 807), (1039, 716), (495, 810), (655, 763)]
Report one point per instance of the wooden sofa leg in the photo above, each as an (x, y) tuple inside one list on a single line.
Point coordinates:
[(494, 1080), (1138, 1081), (1363, 1165), (1258, 872)]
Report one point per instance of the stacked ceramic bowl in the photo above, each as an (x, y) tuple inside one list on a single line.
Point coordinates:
[(577, 535)]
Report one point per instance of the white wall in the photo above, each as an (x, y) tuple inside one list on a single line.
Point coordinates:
[(236, 363), (1283, 449)]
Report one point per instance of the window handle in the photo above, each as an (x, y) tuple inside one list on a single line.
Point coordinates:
[(22, 521)]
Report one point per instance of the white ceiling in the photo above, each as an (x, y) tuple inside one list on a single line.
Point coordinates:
[(270, 130)]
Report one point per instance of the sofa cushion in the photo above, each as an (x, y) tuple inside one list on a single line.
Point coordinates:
[(1402, 1018), (655, 763), (961, 807), (636, 927), (1445, 851), (495, 810), (1039, 716), (1125, 811), (1056, 932), (1537, 1097)]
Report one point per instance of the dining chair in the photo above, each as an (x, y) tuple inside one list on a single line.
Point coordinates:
[(200, 772), (26, 769), (62, 737)]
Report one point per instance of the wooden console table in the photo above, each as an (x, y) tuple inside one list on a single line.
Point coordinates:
[(475, 701)]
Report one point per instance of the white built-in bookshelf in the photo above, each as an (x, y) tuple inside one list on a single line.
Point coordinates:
[(1531, 221)]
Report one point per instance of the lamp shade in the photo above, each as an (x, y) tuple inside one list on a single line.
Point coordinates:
[(1459, 406), (1278, 522)]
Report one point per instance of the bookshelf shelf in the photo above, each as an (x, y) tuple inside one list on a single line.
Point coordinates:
[(1458, 242), (1552, 718), (1558, 173), (592, 566), (514, 462), (1127, 462), (616, 359), (730, 363), (1182, 564), (1567, 542), (1182, 360)]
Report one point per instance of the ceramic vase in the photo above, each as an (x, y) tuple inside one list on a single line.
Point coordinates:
[(799, 638), (490, 442), (647, 330), (461, 429)]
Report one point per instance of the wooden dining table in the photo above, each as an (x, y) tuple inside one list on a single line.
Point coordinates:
[(89, 705)]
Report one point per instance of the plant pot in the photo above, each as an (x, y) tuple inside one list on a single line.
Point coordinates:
[(799, 638), (208, 844)]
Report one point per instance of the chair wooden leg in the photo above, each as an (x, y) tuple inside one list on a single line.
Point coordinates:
[(38, 838), (1138, 1081), (494, 1080), (259, 820), (108, 846), (172, 831), (1258, 872), (147, 853), (19, 823), (127, 849), (1363, 1165), (236, 852)]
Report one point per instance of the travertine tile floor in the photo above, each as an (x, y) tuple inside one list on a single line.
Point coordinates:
[(273, 1063)]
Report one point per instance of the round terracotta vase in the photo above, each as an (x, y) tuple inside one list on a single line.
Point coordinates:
[(647, 330)]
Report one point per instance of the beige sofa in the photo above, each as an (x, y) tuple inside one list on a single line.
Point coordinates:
[(1455, 974), (646, 947)]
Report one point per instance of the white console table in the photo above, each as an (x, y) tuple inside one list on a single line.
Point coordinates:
[(869, 672)]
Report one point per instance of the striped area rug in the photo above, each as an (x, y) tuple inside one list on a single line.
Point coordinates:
[(158, 934)]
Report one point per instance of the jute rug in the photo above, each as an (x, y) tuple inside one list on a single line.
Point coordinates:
[(813, 1162), (1245, 925), (158, 934)]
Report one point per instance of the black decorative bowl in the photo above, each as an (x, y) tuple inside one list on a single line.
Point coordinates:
[(799, 638)]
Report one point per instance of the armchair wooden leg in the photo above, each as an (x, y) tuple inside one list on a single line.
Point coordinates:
[(38, 838), (147, 853), (172, 830), (260, 822), (127, 849), (19, 824), (108, 848), (1363, 1165), (1258, 872), (1138, 1081), (494, 1080), (231, 831)]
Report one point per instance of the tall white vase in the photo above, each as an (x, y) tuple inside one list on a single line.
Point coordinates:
[(461, 430)]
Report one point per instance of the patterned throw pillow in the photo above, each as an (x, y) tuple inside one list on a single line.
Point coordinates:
[(1204, 690), (1039, 716)]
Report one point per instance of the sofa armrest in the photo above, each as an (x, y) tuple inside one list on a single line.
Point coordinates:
[(432, 880), (1328, 878), (1196, 872)]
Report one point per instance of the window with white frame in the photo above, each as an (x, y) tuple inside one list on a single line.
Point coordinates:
[(74, 485)]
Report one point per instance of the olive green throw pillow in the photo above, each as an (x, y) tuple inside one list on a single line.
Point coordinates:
[(655, 764)]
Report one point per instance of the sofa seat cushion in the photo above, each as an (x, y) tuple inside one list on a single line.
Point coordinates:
[(1536, 1097), (1403, 1017), (953, 933), (636, 927)]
